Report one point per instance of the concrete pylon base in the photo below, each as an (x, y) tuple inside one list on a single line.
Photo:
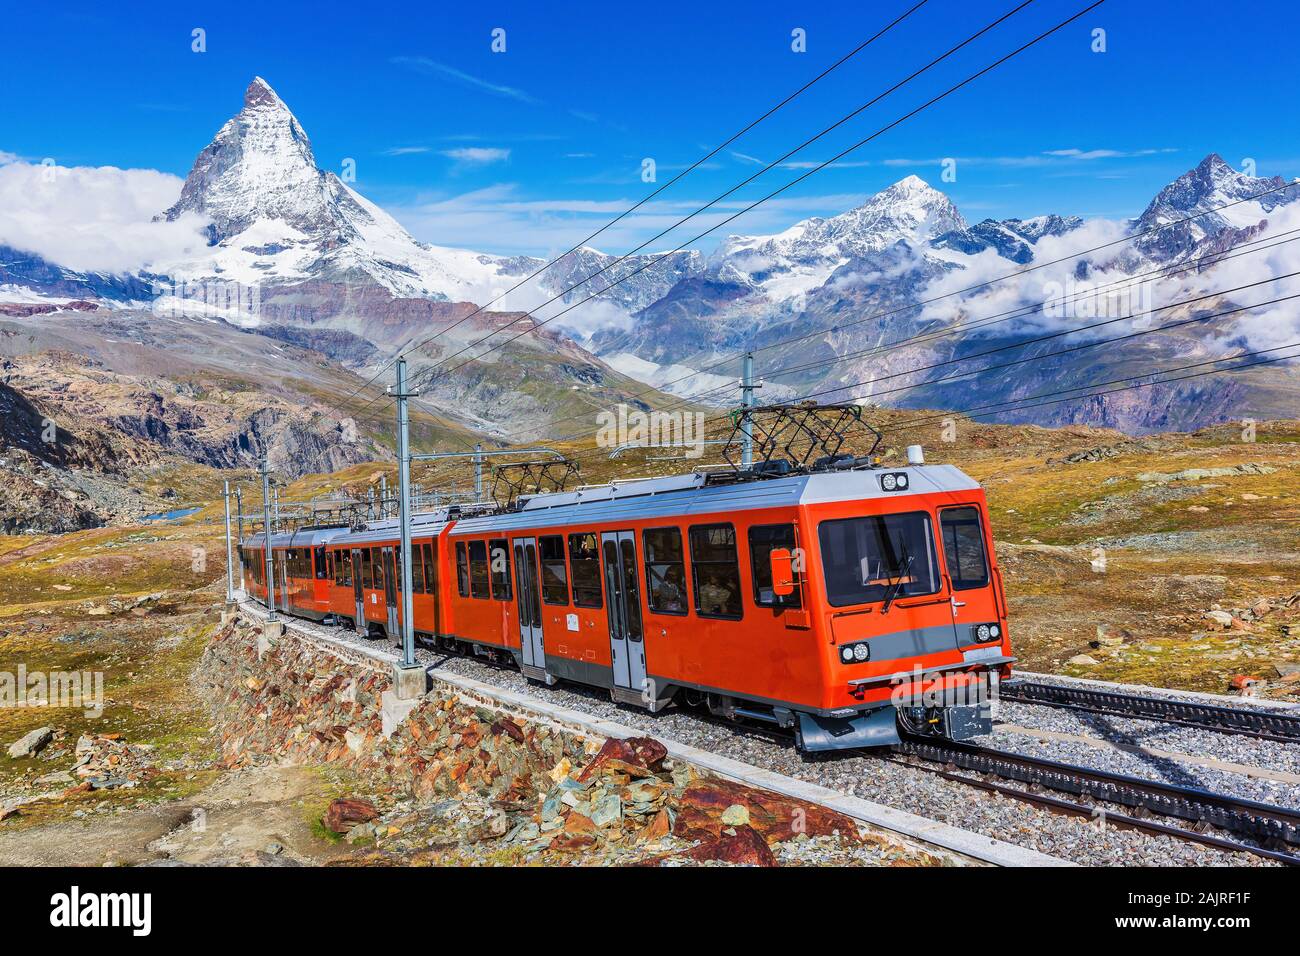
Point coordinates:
[(394, 710), (272, 631), (410, 683)]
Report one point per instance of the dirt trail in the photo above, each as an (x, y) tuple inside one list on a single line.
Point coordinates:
[(239, 819)]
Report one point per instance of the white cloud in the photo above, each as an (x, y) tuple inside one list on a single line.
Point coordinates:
[(497, 219), (477, 155), (1266, 327), (422, 64), (96, 219), (405, 150)]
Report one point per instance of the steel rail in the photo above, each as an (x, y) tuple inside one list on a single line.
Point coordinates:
[(1272, 826), (1265, 725), (1109, 817)]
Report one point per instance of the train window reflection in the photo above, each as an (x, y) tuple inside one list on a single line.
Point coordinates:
[(877, 558)]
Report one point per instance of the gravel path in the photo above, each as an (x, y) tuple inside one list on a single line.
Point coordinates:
[(907, 788)]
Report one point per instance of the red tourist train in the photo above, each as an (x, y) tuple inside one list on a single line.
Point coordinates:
[(812, 600)]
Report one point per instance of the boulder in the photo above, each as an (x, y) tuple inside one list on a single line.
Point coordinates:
[(743, 847), (342, 815), (708, 806), (31, 743)]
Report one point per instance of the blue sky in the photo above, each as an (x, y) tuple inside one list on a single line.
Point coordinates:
[(531, 149)]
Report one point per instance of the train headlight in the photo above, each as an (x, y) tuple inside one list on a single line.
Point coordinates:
[(860, 652), (982, 633), (995, 630), (846, 654), (902, 482), (889, 482)]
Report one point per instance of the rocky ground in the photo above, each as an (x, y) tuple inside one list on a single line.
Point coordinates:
[(199, 754)]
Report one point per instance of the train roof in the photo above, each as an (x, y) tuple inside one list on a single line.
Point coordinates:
[(300, 538), (694, 494), (651, 498)]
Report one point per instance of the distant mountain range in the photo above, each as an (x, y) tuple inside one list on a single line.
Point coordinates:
[(335, 273)]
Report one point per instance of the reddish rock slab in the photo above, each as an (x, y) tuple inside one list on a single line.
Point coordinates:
[(635, 756), (775, 817), (343, 815), (744, 847), (508, 727)]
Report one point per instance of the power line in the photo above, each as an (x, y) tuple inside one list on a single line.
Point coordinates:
[(797, 179), (811, 395), (767, 167), (1084, 328), (631, 209), (839, 327), (1132, 378)]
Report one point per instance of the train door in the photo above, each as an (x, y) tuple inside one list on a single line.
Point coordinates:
[(358, 594), (627, 647), (973, 601), (529, 598), (390, 590), (282, 575)]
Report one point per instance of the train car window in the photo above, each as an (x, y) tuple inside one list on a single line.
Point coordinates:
[(555, 578), (377, 559), (367, 572), (499, 558), (877, 558), (462, 570), (762, 541), (398, 578), (417, 568), (431, 567), (321, 571), (478, 570), (584, 559), (963, 548), (715, 570), (665, 570)]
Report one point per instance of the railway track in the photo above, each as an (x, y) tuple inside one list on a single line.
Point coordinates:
[(1264, 725), (1276, 830)]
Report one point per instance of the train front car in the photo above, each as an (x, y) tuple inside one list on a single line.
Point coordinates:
[(900, 569)]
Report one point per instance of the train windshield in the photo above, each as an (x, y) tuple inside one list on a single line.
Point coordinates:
[(877, 558)]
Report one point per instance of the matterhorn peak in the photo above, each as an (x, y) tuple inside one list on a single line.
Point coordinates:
[(259, 93)]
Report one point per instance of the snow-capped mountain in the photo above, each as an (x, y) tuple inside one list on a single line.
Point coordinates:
[(339, 274), (277, 218), (1211, 184), (804, 256), (1012, 239)]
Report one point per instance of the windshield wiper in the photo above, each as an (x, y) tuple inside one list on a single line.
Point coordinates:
[(904, 573)]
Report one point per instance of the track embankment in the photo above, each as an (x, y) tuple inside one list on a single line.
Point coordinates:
[(481, 774)]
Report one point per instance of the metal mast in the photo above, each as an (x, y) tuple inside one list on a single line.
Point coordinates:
[(266, 539), (404, 511), (230, 551), (747, 387)]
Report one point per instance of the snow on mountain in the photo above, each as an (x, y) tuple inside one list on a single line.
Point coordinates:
[(276, 217), (805, 256), (1212, 183)]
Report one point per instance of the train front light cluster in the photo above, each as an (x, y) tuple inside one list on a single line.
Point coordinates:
[(984, 633), (855, 653), (894, 481)]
